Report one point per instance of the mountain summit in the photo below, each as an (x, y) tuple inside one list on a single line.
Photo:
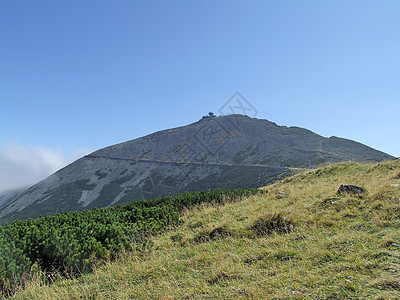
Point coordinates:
[(216, 152)]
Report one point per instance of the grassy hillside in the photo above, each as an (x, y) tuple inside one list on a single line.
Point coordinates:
[(297, 240)]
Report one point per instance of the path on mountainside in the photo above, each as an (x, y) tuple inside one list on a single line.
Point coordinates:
[(193, 163)]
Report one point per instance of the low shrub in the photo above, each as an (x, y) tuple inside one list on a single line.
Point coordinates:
[(72, 242)]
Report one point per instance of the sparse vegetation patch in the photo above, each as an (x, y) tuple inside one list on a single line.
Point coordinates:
[(270, 223)]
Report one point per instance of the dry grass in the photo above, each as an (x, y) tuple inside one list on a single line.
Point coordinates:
[(338, 247)]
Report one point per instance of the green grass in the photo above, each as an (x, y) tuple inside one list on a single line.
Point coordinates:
[(316, 245)]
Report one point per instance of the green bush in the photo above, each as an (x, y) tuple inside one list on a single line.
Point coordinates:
[(71, 242)]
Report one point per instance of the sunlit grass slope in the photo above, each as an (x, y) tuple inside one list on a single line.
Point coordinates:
[(297, 240)]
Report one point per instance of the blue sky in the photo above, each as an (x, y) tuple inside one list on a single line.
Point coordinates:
[(76, 76)]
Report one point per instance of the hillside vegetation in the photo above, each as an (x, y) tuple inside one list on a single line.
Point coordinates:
[(298, 239), (70, 243)]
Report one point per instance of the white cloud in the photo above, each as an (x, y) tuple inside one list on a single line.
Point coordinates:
[(22, 165)]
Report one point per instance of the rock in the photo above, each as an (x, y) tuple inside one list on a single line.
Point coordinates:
[(350, 189), (280, 193)]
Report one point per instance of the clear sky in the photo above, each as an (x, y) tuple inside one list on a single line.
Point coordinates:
[(76, 76)]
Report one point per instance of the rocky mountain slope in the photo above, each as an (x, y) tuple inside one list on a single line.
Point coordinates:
[(227, 152), (8, 195)]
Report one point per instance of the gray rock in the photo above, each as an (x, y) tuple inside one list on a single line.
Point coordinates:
[(350, 189)]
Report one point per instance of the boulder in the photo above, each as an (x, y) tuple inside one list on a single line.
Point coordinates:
[(350, 189)]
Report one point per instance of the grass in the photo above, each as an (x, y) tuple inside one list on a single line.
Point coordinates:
[(296, 240)]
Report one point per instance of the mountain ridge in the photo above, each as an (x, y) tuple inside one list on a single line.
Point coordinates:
[(233, 151)]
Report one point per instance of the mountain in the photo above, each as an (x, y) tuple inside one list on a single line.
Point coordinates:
[(8, 195), (226, 152)]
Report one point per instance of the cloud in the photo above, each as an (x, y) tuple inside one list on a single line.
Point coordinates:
[(22, 165)]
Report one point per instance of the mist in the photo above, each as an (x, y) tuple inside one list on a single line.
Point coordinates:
[(23, 166)]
